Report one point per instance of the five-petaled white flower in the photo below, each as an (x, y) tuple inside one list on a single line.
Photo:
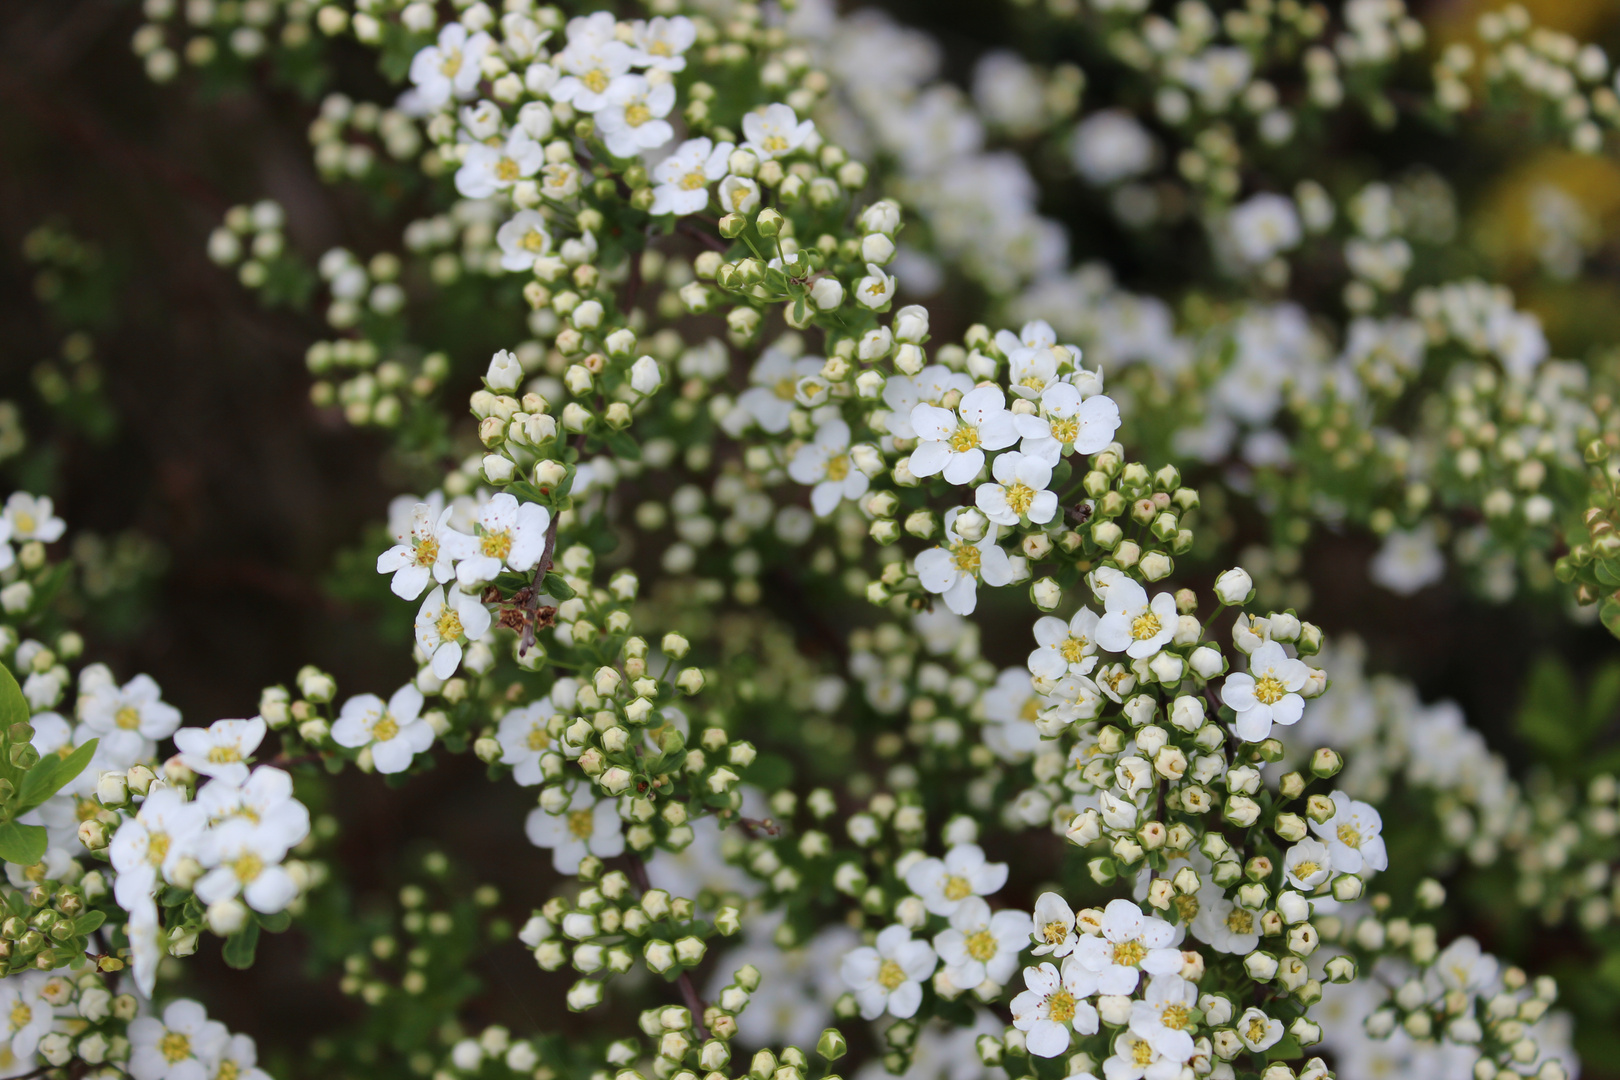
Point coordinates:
[(632, 120), (1129, 944), (181, 1046), (587, 826), (488, 169), (1131, 624), (1033, 356), (1222, 925), (888, 977), (953, 570), (825, 463), (239, 1061), (661, 42), (684, 177), (452, 67), (1258, 1031), (1065, 648), (1067, 423), (1352, 836), (1018, 491), (221, 749), (443, 623), (33, 517), (428, 552), (775, 130), (245, 860), (522, 240), (266, 800), (125, 716), (524, 737), (148, 846), (770, 401), (1054, 1005), (1268, 693), (1135, 1058), (945, 884), (876, 288), (1054, 933), (510, 534), (394, 732), (1164, 1014), (590, 67), (1307, 864), (980, 945), (953, 443), (25, 1016)]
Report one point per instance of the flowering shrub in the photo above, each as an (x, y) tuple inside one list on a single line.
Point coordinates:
[(801, 395)]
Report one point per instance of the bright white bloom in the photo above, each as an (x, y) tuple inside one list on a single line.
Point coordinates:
[(443, 623), (221, 749), (775, 130), (1164, 1014), (769, 402), (1131, 624), (395, 732), (1224, 926), (825, 464), (953, 443), (876, 288), (33, 518), (1129, 944), (1135, 1058), (1110, 146), (239, 1061), (980, 946), (1307, 864), (266, 800), (510, 535), (661, 42), (1054, 1005), (586, 827), (25, 1016), (1018, 491), (684, 177), (148, 846), (945, 884), (1463, 966), (1065, 648), (488, 169), (428, 551), (126, 716), (888, 977), (590, 67), (246, 860), (1258, 1031), (953, 570), (450, 68), (740, 195), (902, 393), (1067, 423), (1263, 226), (1033, 356), (632, 120), (522, 240), (1054, 930), (1409, 560), (1352, 836), (524, 739), (1268, 693), (184, 1045)]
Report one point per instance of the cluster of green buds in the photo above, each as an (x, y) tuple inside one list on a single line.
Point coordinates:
[(1593, 565)]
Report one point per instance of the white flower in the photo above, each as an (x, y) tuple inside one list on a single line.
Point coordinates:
[(238, 1061), (1135, 1058), (148, 846), (1129, 944), (428, 551), (980, 946), (452, 67), (25, 1016), (1018, 491), (181, 1046), (395, 732), (1067, 423), (1353, 836), (126, 716), (944, 884), (488, 169), (144, 946), (1234, 586), (1163, 1015), (954, 569), (1307, 864), (1131, 624), (1409, 560), (1263, 226), (522, 240), (684, 177), (775, 130), (443, 623), (953, 443), (1222, 925), (33, 518), (660, 42), (510, 534), (825, 463), (888, 978), (1463, 966), (590, 67), (1110, 146), (632, 117), (221, 749), (586, 827), (1258, 1031), (740, 195), (769, 402), (1268, 694), (266, 800), (902, 393), (876, 288), (1065, 648), (1054, 1005), (645, 378), (246, 860), (524, 740)]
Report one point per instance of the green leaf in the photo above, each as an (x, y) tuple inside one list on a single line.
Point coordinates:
[(1286, 1049), (13, 706), (622, 445), (1549, 714), (555, 586), (88, 922), (276, 923), (240, 946), (22, 844), (51, 773)]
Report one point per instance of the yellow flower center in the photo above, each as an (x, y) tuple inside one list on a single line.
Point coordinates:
[(533, 240), (1175, 1017), (694, 180), (497, 545), (1060, 1006), (659, 48), (982, 945), (739, 196), (838, 466), (1128, 953), (966, 557), (228, 1070), (450, 66), (427, 552), (581, 824), (1257, 1029), (128, 718), (957, 888), (1031, 709), (175, 1046), (1186, 907), (1349, 836), (785, 387), (1142, 1052), (1065, 431), (538, 738), (385, 728), (157, 847), (1268, 690), (1055, 932), (224, 755), (1145, 626), (890, 975), (1073, 649), (776, 144), (637, 114), (21, 1014), (1305, 869), (964, 438), (1032, 382), (1240, 921), (448, 626), (506, 170), (247, 867), (1019, 496), (595, 80)]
